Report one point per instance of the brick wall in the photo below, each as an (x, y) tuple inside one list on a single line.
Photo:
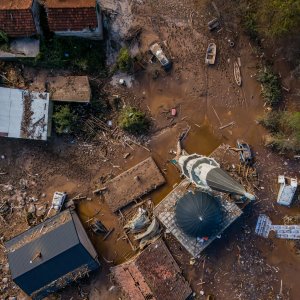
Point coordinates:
[(17, 23), (74, 19)]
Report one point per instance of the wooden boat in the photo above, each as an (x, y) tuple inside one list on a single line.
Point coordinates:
[(237, 74), (211, 54)]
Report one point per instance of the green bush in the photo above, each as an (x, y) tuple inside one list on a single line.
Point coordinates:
[(271, 90), (134, 121), (3, 37), (124, 60), (64, 119), (249, 24), (285, 130)]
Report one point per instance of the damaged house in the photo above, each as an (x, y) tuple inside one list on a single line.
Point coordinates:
[(49, 256), (78, 18), (25, 114)]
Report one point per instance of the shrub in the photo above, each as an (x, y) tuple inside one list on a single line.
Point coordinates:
[(271, 90), (250, 25), (3, 37), (124, 60), (285, 129), (64, 119), (134, 121)]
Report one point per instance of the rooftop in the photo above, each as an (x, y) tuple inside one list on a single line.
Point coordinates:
[(51, 246), (69, 89), (15, 4), (153, 274), (24, 114), (133, 183), (70, 3)]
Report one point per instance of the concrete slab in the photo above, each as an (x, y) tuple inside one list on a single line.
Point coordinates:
[(69, 88), (133, 183), (22, 48)]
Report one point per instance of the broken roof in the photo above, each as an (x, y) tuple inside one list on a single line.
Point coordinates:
[(70, 3), (15, 4), (69, 89), (153, 274), (24, 114), (133, 183)]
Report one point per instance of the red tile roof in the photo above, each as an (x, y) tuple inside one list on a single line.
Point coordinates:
[(74, 19), (15, 4), (17, 23), (70, 3)]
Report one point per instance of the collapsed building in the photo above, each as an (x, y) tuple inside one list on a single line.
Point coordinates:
[(196, 212)]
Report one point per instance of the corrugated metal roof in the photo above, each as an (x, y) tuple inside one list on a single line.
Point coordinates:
[(70, 3), (23, 114)]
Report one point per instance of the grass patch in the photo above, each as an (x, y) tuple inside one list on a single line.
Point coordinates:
[(124, 60), (284, 128), (134, 121), (271, 87), (71, 53)]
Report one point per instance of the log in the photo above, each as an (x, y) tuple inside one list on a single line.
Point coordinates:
[(109, 233), (227, 125)]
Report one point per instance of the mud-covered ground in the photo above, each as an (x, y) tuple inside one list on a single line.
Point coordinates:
[(238, 266)]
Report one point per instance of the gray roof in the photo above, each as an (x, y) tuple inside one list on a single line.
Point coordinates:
[(24, 114), (58, 241)]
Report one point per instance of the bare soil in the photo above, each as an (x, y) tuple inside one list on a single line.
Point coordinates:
[(238, 266)]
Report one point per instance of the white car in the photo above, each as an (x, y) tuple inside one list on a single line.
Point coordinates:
[(159, 54), (58, 201)]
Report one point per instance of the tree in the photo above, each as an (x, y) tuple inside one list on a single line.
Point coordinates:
[(64, 119), (279, 16)]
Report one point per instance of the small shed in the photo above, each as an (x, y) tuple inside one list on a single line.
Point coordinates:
[(153, 274), (81, 18), (19, 18), (50, 255), (24, 114), (69, 88)]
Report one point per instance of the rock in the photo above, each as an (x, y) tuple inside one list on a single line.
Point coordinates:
[(5, 280), (2, 156), (31, 209), (6, 268), (201, 293), (43, 195), (12, 298), (40, 211)]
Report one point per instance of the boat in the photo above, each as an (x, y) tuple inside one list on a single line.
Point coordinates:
[(211, 54), (237, 74)]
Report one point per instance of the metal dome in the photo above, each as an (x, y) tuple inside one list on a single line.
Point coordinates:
[(199, 214)]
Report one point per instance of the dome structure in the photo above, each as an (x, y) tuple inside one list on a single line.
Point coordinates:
[(199, 214)]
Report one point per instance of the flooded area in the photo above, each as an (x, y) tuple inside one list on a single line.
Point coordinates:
[(213, 110)]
